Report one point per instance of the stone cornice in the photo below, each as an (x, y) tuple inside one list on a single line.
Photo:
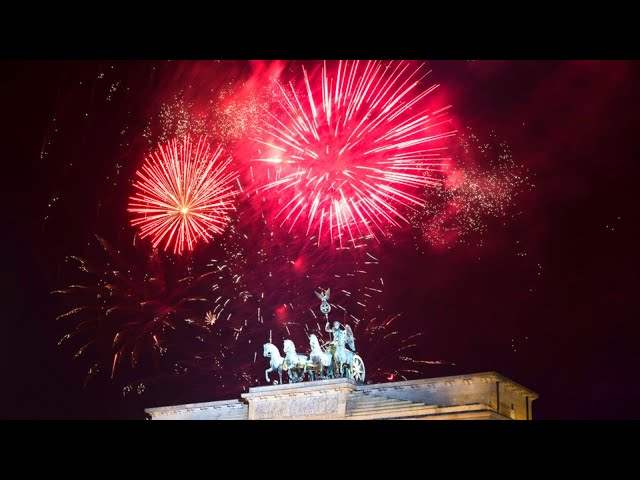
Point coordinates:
[(194, 406), (484, 377), (303, 388)]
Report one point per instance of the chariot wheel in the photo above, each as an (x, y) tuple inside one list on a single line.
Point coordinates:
[(357, 369)]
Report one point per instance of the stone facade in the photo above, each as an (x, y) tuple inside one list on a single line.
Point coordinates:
[(481, 396)]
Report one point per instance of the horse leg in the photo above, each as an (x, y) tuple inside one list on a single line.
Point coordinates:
[(266, 374), (328, 369), (280, 374)]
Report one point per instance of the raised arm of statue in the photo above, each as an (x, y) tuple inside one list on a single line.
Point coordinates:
[(327, 327)]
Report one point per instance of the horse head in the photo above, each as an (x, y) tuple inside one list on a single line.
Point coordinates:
[(313, 342), (350, 339), (351, 343), (289, 347), (268, 349)]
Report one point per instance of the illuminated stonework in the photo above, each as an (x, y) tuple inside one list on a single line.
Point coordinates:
[(481, 396)]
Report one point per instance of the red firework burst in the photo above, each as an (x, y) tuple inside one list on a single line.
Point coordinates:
[(183, 194), (348, 165)]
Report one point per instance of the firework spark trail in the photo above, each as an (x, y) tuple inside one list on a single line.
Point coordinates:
[(353, 150), (139, 307), (230, 113), (483, 185), (388, 351), (274, 275), (183, 194)]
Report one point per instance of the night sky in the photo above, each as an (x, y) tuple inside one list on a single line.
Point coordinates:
[(546, 296)]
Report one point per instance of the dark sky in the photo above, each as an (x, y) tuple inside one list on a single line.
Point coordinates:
[(557, 284)]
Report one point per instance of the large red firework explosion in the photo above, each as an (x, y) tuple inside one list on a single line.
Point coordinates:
[(353, 150), (183, 194)]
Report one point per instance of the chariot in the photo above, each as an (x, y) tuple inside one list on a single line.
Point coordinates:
[(330, 360)]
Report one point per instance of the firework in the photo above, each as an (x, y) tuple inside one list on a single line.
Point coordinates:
[(352, 150), (138, 307), (229, 114), (390, 349), (239, 111), (482, 184), (274, 272), (177, 118), (183, 194)]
